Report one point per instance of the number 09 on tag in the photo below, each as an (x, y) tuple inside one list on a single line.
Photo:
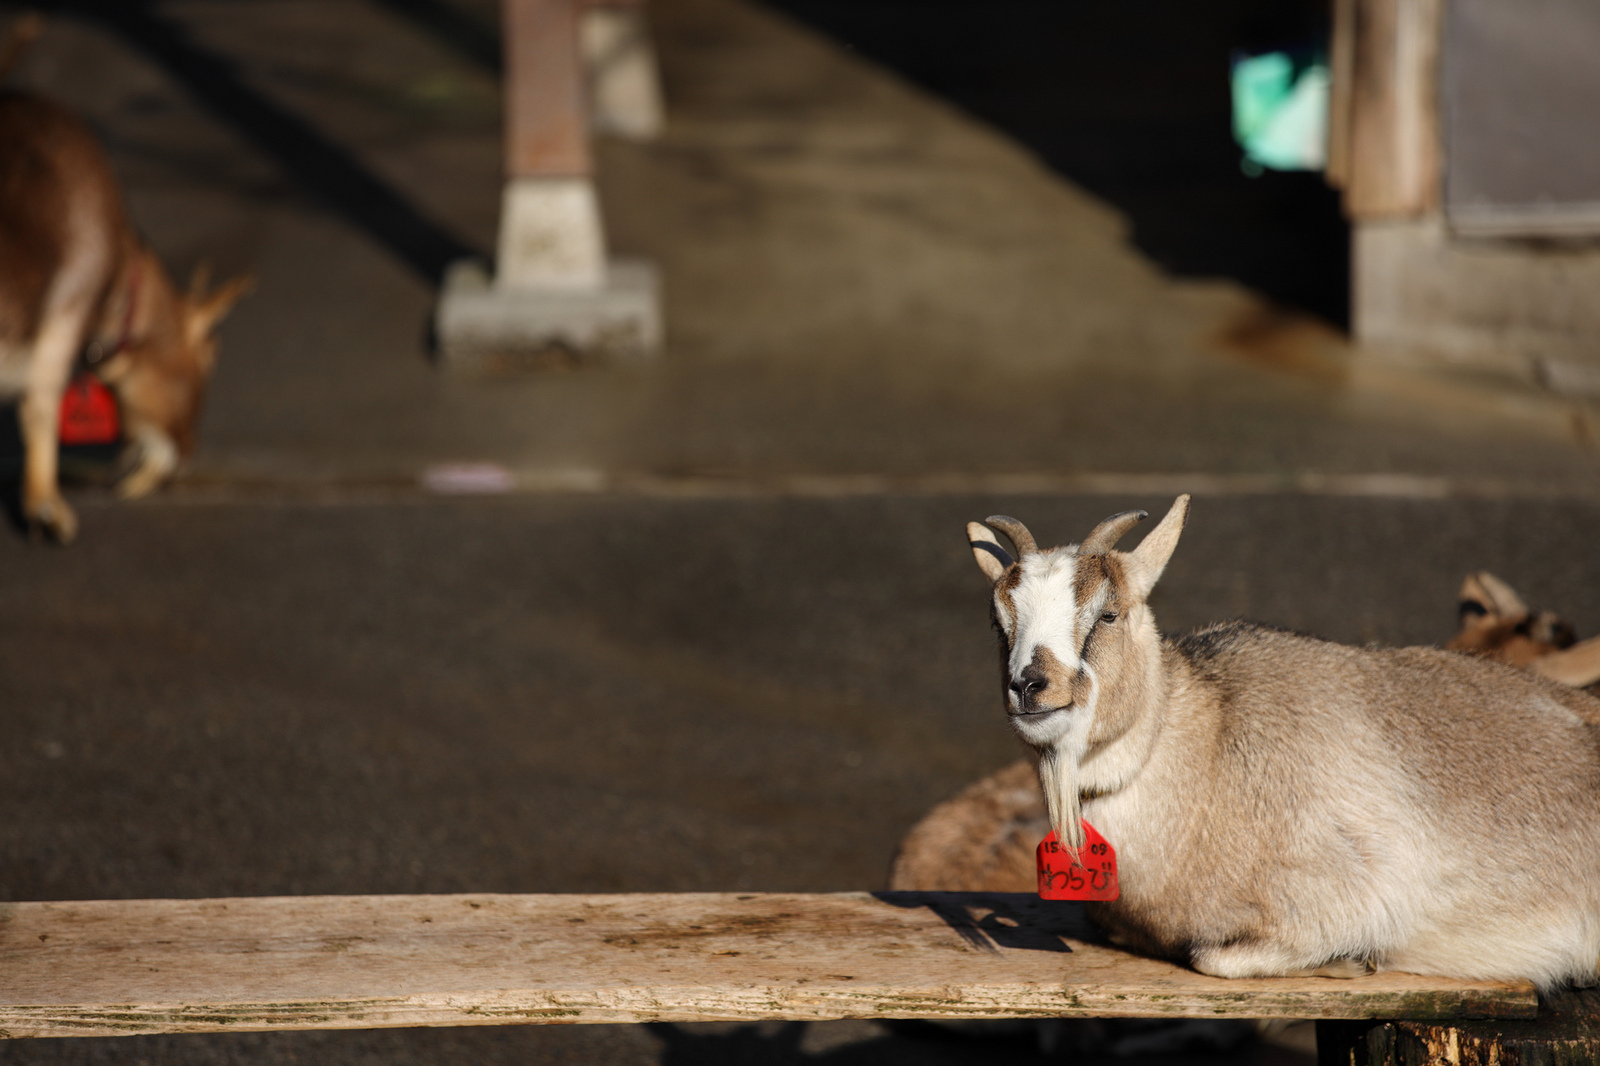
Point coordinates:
[(1093, 876)]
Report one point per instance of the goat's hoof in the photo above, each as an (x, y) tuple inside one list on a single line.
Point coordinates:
[(140, 481), (54, 519), (149, 460)]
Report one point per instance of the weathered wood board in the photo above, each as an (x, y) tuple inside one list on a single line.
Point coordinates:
[(106, 968)]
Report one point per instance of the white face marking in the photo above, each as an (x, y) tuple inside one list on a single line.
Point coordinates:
[(1047, 612), (1048, 616)]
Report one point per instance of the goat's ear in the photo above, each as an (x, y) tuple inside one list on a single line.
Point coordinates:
[(204, 310), (992, 559), (1484, 594), (1146, 562)]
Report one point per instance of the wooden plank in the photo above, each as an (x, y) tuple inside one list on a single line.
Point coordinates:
[(119, 967), (546, 125)]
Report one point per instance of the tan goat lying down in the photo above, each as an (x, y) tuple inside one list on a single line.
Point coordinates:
[(983, 838), (1285, 805)]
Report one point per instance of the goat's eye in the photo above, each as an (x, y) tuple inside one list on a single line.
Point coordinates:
[(1109, 616)]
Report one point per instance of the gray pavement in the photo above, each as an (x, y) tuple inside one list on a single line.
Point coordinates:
[(594, 694), (726, 634)]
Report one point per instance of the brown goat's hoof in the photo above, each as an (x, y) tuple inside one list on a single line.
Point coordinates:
[(52, 519)]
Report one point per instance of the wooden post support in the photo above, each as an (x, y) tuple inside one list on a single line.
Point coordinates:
[(1566, 1033)]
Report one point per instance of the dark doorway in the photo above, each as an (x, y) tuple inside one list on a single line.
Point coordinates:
[(1129, 99)]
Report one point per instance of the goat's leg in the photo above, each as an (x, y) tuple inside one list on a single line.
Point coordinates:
[(1256, 959), (54, 350), (155, 457)]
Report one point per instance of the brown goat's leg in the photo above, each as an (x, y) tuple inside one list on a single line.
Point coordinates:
[(54, 349), (155, 457)]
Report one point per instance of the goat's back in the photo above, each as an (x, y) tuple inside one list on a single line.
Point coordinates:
[(60, 210), (1431, 811)]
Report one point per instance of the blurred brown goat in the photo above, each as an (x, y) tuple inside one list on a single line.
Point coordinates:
[(78, 288)]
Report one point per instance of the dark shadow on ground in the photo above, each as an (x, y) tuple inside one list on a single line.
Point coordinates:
[(470, 37), (1084, 1041), (1130, 101), (318, 165)]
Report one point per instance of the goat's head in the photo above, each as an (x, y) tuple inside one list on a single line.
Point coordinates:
[(161, 372), (1497, 624), (1080, 655)]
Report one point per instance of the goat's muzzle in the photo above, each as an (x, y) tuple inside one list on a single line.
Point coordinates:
[(1029, 690)]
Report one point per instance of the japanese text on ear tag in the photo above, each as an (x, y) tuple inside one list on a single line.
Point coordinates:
[(1093, 876)]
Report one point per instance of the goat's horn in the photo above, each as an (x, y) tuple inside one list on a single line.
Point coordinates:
[(1016, 531), (1103, 537)]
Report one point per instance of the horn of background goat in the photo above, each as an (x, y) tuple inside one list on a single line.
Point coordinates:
[(1103, 537), (1016, 531)]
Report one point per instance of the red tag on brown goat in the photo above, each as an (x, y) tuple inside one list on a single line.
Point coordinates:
[(89, 413), (1092, 876)]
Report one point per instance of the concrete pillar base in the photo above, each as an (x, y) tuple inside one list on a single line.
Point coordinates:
[(485, 327), (550, 235), (1525, 309)]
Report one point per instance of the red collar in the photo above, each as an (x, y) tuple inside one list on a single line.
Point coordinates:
[(96, 351)]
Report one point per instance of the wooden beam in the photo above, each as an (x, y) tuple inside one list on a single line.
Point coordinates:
[(120, 967), (547, 133)]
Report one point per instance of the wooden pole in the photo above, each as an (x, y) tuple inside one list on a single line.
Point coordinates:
[(547, 134), (550, 230), (1384, 132)]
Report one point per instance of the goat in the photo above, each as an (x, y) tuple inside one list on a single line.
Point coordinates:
[(74, 275), (1496, 623), (982, 839), (1283, 805)]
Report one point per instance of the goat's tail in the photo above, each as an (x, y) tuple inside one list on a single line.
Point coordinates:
[(23, 33)]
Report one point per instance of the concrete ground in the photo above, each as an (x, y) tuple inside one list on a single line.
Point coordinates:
[(726, 619)]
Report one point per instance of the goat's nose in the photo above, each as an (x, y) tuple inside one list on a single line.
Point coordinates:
[(1029, 684)]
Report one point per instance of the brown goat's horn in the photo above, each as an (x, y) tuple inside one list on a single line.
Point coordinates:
[(1104, 536), (1016, 531)]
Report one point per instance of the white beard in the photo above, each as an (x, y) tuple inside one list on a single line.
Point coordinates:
[(1058, 777)]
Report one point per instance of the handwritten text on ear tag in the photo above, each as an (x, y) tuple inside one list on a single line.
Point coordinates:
[(1093, 876)]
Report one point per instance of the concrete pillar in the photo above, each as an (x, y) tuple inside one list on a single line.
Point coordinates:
[(554, 286)]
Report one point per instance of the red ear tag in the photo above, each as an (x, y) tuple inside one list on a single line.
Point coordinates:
[(89, 412), (1093, 876)]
